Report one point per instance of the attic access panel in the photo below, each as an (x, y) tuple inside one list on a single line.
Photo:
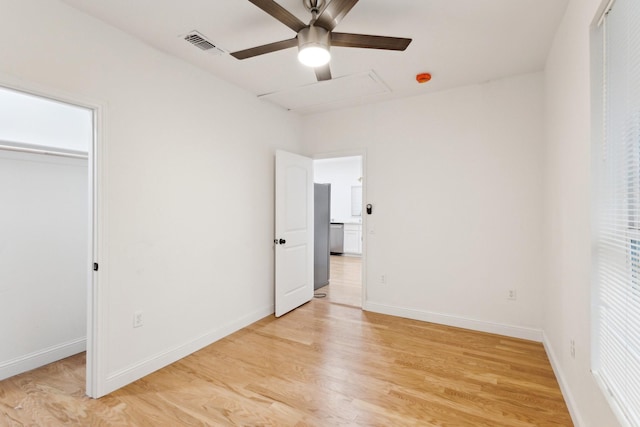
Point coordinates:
[(306, 98)]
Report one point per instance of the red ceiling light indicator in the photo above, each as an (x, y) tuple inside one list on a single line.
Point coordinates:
[(423, 77)]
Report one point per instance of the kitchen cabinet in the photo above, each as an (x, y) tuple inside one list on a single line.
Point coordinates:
[(353, 238)]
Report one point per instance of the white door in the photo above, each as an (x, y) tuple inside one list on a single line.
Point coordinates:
[(294, 231)]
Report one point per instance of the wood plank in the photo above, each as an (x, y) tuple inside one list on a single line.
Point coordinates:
[(350, 368), (345, 281)]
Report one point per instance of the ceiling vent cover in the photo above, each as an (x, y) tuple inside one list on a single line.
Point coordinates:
[(200, 41)]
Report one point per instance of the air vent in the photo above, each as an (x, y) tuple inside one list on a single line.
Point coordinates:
[(199, 41)]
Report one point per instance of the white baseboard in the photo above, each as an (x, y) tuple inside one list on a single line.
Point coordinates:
[(145, 367), (531, 334), (564, 388), (42, 357)]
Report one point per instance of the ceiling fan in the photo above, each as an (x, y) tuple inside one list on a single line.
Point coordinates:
[(314, 39)]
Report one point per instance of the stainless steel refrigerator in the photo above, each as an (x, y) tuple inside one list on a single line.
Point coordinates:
[(322, 220)]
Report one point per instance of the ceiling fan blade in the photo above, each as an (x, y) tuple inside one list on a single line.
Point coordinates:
[(366, 41), (267, 48), (280, 13), (333, 13), (323, 73)]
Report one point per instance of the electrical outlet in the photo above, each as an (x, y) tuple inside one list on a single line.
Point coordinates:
[(572, 348), (512, 295), (383, 279), (138, 319)]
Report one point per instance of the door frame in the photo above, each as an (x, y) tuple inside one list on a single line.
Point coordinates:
[(95, 372), (363, 257)]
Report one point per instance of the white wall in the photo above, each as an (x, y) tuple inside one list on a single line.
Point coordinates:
[(568, 214), (34, 120), (342, 173), (187, 174), (455, 179), (43, 259)]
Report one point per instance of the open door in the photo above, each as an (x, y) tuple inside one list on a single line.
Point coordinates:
[(294, 231)]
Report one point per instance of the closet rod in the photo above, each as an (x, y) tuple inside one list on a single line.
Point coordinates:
[(45, 152)]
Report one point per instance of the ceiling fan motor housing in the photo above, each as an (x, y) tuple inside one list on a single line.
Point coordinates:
[(314, 36)]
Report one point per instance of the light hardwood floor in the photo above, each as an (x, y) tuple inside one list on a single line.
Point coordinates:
[(345, 281), (324, 364)]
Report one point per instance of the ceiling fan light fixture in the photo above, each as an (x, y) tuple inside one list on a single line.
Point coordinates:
[(314, 56), (313, 46)]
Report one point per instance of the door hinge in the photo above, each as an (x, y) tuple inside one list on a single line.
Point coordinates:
[(95, 266)]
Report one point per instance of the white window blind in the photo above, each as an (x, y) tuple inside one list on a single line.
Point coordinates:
[(617, 313)]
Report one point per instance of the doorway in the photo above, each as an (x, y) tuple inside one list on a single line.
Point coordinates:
[(47, 183), (345, 174)]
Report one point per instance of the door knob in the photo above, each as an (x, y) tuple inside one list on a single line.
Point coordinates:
[(279, 242)]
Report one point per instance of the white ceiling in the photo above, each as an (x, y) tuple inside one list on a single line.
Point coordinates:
[(460, 42)]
